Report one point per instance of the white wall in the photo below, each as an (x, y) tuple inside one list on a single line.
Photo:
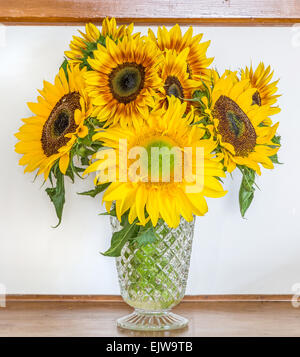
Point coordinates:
[(230, 255)]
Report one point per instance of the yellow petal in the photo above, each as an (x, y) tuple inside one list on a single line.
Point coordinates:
[(64, 163)]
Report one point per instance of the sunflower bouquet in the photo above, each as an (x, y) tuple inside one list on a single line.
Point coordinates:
[(158, 128)]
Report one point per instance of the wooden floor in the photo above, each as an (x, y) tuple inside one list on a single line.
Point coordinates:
[(98, 319)]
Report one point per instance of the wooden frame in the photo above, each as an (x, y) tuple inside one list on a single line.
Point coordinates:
[(201, 12), (118, 298), (204, 12)]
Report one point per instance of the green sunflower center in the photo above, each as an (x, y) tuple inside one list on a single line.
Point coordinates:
[(173, 87), (59, 123), (256, 99), (234, 126), (161, 159), (126, 81)]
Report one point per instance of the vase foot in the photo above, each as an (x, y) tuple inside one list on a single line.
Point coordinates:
[(152, 321)]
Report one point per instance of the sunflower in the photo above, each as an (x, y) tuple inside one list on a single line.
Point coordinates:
[(146, 199), (82, 47), (264, 90), (197, 62), (123, 81), (109, 28), (59, 119), (175, 77), (239, 126)]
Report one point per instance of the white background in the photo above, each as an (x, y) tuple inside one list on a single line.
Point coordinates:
[(230, 255)]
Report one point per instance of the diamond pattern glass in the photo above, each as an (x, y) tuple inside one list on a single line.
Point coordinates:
[(153, 277)]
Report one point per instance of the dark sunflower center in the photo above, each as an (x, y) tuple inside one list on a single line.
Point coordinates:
[(173, 87), (256, 99), (59, 123), (126, 81), (234, 126)]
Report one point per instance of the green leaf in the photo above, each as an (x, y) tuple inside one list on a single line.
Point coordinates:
[(64, 67), (70, 172), (274, 159), (75, 170), (201, 121), (57, 194), (88, 52), (276, 139), (197, 94), (146, 236), (96, 190), (119, 239), (247, 189), (49, 177), (245, 198), (112, 212), (96, 145), (219, 179), (84, 161), (84, 151), (79, 169)]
